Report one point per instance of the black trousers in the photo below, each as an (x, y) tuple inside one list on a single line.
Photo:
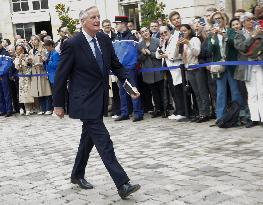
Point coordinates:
[(95, 133), (14, 92), (177, 95), (157, 89), (197, 80)]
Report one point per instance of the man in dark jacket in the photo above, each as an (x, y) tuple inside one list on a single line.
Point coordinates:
[(125, 46), (85, 60)]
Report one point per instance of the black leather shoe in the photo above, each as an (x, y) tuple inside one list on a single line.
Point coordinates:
[(9, 114), (156, 113), (136, 119), (202, 119), (194, 119), (120, 118), (251, 124), (165, 114), (127, 189), (2, 114), (82, 183)]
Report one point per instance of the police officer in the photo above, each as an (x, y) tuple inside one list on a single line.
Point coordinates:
[(125, 46), (6, 108)]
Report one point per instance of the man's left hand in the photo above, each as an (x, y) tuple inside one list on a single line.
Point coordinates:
[(137, 95)]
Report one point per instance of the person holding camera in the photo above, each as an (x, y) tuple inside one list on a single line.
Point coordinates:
[(21, 64), (221, 46), (249, 42), (147, 57), (168, 51), (197, 77), (40, 86)]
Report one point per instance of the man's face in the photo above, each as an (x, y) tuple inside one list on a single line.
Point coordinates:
[(154, 27), (121, 27), (11, 51), (130, 26), (238, 14), (92, 21), (106, 27), (176, 20), (208, 15)]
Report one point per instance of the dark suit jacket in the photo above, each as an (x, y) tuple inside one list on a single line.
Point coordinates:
[(88, 86)]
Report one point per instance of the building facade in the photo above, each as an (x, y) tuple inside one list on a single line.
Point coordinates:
[(28, 17)]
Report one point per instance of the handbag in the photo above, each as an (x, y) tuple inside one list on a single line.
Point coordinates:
[(216, 71)]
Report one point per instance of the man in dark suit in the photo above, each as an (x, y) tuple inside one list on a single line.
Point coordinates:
[(85, 60)]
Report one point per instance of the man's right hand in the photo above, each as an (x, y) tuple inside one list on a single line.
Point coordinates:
[(59, 112)]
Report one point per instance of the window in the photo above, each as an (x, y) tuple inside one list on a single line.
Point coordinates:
[(20, 5), (40, 4), (24, 30)]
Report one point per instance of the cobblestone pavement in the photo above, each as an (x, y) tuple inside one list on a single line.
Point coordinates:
[(175, 163)]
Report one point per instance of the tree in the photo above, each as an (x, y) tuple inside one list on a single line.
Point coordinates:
[(66, 20), (151, 10)]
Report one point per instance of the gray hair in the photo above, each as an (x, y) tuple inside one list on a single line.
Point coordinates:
[(164, 28), (84, 13), (245, 16)]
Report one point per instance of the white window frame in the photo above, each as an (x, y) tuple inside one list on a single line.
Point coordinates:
[(20, 1), (30, 25)]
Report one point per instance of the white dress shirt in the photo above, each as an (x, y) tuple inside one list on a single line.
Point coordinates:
[(91, 44)]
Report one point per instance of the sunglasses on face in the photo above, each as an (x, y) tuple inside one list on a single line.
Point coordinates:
[(164, 33), (218, 19)]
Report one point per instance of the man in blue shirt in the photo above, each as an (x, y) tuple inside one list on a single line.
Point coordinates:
[(6, 108), (125, 46)]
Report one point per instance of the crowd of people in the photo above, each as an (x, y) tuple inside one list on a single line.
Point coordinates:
[(202, 94)]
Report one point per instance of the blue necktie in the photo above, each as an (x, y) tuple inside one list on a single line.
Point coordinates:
[(98, 55)]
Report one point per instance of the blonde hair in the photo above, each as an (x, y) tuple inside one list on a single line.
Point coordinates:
[(40, 43)]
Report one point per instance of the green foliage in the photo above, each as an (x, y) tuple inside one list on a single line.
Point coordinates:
[(151, 10), (66, 20)]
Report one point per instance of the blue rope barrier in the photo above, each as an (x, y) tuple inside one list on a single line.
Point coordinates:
[(31, 75), (144, 70)]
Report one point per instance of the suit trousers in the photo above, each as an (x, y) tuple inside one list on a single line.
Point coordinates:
[(95, 133)]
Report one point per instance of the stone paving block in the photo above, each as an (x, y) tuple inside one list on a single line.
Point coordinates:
[(175, 163)]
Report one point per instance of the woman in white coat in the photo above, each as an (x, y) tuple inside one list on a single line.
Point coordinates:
[(168, 51)]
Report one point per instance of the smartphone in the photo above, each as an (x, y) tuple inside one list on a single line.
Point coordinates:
[(216, 24), (202, 22), (181, 35)]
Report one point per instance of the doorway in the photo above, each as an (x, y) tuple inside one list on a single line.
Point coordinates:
[(43, 25)]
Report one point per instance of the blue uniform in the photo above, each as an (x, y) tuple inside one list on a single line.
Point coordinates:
[(5, 94), (125, 46)]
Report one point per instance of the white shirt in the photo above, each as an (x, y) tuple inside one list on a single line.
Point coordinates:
[(91, 44), (192, 51)]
